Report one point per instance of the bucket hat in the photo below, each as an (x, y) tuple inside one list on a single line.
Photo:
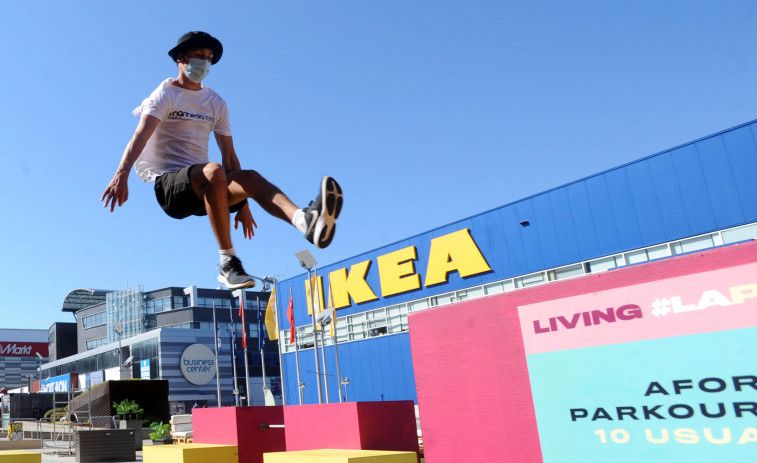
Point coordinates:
[(197, 39)]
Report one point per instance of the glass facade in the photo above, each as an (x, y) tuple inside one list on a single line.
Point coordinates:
[(393, 319), (158, 305), (126, 308), (97, 319), (95, 343)]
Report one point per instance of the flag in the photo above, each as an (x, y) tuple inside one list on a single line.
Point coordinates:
[(261, 333), (244, 325), (290, 316), (272, 317), (314, 296), (233, 334)]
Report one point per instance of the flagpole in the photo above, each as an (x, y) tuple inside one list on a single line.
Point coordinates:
[(338, 370), (315, 338), (261, 346), (215, 336), (282, 382), (335, 340), (244, 344), (234, 354), (318, 307), (278, 342), (300, 385), (325, 368)]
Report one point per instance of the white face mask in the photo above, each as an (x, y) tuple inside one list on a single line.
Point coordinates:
[(197, 70)]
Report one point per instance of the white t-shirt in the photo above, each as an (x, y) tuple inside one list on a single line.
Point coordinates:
[(186, 119)]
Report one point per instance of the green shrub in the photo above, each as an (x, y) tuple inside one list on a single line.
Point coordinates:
[(159, 430), (127, 407)]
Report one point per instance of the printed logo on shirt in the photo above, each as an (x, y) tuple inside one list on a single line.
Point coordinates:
[(185, 116)]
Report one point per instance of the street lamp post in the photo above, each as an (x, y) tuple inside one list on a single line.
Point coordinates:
[(308, 262), (119, 330), (39, 366)]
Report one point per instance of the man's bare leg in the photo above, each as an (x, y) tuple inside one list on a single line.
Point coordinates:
[(210, 183), (317, 222), (243, 184), (219, 189)]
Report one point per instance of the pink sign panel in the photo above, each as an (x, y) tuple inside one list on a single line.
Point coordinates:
[(700, 303), (23, 349)]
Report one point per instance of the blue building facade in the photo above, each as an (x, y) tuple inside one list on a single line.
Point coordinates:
[(694, 196)]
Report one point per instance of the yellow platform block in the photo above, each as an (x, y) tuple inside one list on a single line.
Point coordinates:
[(190, 453), (19, 456), (340, 456), (21, 444)]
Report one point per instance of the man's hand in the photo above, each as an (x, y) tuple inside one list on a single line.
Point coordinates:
[(117, 191), (244, 216), (118, 188)]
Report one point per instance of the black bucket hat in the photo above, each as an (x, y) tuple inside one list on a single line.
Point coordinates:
[(197, 39)]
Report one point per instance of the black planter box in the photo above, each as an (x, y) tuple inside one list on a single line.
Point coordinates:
[(105, 445), (164, 441), (136, 426)]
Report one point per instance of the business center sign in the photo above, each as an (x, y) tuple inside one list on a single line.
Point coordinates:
[(198, 364)]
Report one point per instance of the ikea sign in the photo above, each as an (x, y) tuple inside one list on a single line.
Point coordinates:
[(453, 252)]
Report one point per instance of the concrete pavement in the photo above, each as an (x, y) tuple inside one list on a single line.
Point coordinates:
[(57, 452)]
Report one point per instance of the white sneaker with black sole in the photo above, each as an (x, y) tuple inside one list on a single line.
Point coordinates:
[(233, 275), (321, 214)]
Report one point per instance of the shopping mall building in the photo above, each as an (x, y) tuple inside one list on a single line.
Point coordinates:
[(21, 354), (162, 334), (699, 195)]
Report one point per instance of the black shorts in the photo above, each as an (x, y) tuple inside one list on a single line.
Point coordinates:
[(174, 193)]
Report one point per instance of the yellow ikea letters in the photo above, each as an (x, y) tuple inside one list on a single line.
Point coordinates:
[(456, 251), (397, 271), (353, 285)]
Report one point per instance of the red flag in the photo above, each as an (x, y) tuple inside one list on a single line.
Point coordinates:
[(244, 328), (290, 316)]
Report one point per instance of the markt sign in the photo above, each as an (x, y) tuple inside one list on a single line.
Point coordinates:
[(23, 349)]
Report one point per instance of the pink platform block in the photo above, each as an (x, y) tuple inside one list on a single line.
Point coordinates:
[(352, 426), (240, 426), (474, 391)]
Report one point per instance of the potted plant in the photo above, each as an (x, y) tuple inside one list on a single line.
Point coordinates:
[(160, 434), (130, 417), (128, 410)]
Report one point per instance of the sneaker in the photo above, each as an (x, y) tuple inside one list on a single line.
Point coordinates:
[(233, 275), (322, 213)]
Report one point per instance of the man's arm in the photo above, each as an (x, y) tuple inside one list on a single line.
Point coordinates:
[(231, 162), (118, 188), (229, 157)]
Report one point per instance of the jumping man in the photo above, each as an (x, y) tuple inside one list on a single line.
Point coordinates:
[(170, 148)]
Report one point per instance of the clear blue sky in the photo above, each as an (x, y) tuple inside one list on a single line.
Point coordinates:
[(426, 111)]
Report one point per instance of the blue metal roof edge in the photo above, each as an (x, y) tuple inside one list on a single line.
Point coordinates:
[(716, 134)]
